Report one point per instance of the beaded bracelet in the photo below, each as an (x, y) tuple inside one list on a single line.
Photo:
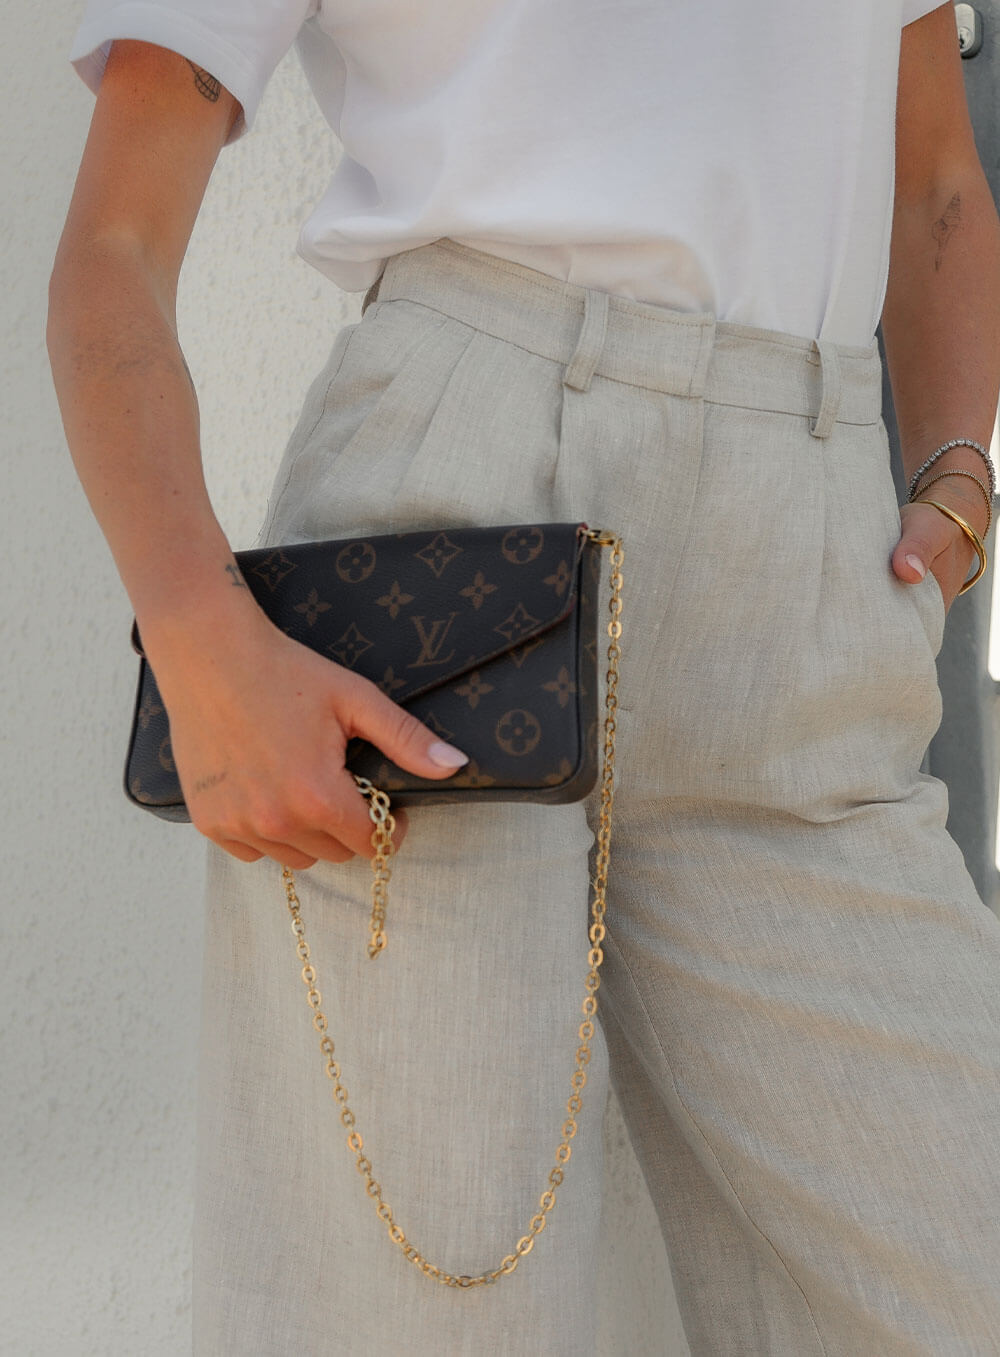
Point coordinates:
[(947, 447), (944, 475)]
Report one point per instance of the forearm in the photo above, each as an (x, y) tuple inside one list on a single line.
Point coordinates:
[(131, 420), (941, 321)]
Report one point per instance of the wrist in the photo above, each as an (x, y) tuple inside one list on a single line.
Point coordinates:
[(204, 607), (960, 478), (964, 492), (958, 456)]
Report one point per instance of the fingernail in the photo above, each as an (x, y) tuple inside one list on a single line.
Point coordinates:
[(446, 755), (915, 563)]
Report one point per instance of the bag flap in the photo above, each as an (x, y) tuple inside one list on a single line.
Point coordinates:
[(414, 610)]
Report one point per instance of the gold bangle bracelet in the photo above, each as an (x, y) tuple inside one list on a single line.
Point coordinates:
[(970, 533), (968, 476)]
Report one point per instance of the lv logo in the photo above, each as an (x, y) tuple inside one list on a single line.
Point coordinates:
[(432, 640)]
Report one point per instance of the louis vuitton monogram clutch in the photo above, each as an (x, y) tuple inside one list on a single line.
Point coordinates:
[(487, 635)]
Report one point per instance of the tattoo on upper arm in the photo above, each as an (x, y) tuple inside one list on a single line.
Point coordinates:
[(946, 225), (237, 579), (205, 84)]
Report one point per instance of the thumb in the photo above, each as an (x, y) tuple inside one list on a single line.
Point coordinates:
[(925, 534), (402, 738)]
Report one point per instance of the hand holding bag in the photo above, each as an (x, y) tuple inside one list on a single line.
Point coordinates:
[(488, 636)]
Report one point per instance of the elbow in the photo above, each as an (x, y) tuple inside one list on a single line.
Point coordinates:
[(939, 180), (96, 281)]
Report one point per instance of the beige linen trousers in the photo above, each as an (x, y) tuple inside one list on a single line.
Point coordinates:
[(801, 997)]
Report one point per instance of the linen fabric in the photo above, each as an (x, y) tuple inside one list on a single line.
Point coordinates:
[(732, 157), (800, 993)]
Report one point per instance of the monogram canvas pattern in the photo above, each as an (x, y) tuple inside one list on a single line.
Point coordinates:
[(488, 635)]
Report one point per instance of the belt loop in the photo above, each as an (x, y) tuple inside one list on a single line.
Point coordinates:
[(829, 369), (590, 344), (703, 358)]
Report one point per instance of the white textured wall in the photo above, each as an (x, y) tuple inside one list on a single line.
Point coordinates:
[(102, 914)]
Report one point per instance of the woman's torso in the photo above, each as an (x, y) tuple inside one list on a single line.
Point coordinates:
[(736, 158)]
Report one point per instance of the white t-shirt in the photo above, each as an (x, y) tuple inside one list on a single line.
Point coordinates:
[(735, 156)]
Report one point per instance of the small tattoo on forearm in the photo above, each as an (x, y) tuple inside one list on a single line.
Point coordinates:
[(206, 84), (238, 582), (203, 784), (945, 227)]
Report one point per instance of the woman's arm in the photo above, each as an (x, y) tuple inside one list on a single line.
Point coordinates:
[(941, 321), (259, 724), (128, 406)]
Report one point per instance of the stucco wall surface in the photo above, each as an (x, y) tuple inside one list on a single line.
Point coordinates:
[(102, 911)]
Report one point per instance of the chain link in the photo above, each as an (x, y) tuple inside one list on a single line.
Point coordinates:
[(383, 822)]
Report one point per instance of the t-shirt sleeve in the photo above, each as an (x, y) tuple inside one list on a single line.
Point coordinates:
[(240, 42), (916, 9)]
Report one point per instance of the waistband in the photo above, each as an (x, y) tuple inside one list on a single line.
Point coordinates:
[(592, 333)]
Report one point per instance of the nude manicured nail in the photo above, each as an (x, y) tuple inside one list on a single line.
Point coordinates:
[(916, 564), (446, 755)]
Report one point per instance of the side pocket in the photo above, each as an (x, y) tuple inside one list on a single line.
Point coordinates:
[(355, 419), (929, 603), (305, 427)]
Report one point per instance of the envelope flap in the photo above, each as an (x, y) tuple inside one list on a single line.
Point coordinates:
[(417, 609)]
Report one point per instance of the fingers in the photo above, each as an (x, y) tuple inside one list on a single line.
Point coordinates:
[(401, 737), (301, 847), (285, 793), (242, 851), (352, 841), (282, 853)]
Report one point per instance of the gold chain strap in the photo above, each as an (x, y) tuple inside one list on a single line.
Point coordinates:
[(384, 824), (382, 820)]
